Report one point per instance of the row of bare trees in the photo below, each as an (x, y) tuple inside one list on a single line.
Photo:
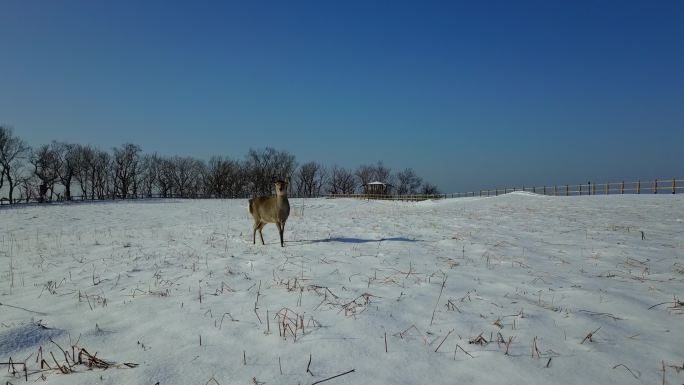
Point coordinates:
[(53, 171)]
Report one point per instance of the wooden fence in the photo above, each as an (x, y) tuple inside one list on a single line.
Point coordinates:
[(389, 197), (110, 197), (656, 186)]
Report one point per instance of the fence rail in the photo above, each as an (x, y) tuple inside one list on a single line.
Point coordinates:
[(110, 197), (388, 197), (656, 186)]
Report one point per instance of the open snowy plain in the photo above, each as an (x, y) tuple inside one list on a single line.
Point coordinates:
[(501, 290)]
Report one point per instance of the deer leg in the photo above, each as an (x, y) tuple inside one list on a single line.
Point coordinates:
[(281, 231), (257, 226), (261, 234)]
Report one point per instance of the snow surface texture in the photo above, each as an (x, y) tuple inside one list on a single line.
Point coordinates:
[(144, 282)]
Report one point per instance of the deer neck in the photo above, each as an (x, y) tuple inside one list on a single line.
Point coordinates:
[(281, 199)]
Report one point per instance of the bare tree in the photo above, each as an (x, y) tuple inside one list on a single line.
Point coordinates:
[(201, 185), (321, 180), (382, 173), (22, 179), (408, 182), (102, 174), (27, 187), (226, 178), (45, 163), (309, 179), (218, 173), (365, 174), (92, 171), (2, 176), (429, 189), (67, 156), (165, 177), (341, 181), (125, 165), (266, 164), (147, 174), (183, 175), (84, 158), (12, 152), (239, 181)]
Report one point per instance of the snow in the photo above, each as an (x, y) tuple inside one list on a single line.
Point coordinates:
[(125, 279)]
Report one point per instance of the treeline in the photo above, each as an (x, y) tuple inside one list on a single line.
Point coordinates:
[(61, 171)]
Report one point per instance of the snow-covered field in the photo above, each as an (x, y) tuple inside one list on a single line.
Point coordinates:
[(454, 291)]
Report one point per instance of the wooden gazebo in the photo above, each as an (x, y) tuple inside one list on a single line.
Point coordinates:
[(376, 188)]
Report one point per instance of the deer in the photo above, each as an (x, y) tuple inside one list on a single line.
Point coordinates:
[(273, 209)]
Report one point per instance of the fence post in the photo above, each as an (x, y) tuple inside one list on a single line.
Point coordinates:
[(593, 189), (655, 186), (496, 191), (555, 190), (639, 187), (673, 185), (607, 188), (544, 190), (567, 192), (622, 188), (580, 189)]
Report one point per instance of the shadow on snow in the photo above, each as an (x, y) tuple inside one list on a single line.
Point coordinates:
[(354, 240)]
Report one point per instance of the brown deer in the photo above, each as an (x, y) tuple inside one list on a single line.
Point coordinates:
[(270, 210)]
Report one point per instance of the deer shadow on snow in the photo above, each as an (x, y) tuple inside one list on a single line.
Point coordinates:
[(354, 240)]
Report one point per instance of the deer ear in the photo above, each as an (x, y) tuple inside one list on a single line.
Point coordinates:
[(273, 179)]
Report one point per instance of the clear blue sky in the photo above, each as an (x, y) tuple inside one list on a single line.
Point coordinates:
[(471, 95)]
